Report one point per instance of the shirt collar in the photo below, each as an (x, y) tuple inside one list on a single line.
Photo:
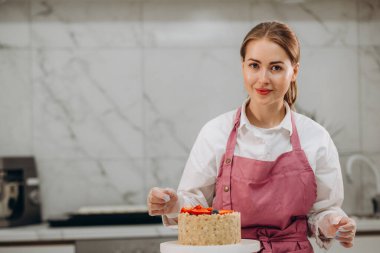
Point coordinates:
[(286, 122)]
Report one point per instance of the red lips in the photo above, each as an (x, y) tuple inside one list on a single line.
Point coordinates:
[(263, 91)]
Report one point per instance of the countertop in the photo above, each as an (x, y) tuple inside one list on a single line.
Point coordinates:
[(44, 233), (367, 225)]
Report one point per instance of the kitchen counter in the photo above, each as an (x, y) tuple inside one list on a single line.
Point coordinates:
[(367, 225), (42, 232)]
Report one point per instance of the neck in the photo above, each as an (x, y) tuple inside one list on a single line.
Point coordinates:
[(265, 116)]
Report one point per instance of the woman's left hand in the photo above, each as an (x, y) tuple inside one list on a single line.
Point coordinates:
[(340, 227), (346, 230)]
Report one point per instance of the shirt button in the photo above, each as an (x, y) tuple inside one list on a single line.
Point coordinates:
[(226, 188), (228, 161)]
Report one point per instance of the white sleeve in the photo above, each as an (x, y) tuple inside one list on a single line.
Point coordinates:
[(330, 192), (197, 184)]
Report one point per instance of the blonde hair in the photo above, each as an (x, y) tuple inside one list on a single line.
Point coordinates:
[(282, 35)]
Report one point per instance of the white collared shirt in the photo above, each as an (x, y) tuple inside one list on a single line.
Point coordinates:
[(197, 184)]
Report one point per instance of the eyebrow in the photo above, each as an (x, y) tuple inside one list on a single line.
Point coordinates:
[(272, 62)]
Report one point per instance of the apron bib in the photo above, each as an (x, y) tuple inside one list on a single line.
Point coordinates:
[(273, 197)]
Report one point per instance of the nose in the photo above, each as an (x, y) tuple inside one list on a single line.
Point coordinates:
[(263, 76)]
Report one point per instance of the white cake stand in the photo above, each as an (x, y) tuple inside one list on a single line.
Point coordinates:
[(245, 246)]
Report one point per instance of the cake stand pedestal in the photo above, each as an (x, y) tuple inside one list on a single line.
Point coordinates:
[(245, 246)]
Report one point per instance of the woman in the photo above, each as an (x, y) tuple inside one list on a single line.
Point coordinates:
[(278, 168)]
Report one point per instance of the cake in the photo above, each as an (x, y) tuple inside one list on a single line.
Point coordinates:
[(206, 226)]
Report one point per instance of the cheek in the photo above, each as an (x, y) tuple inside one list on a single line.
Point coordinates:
[(249, 78), (283, 83), (283, 78), (289, 75)]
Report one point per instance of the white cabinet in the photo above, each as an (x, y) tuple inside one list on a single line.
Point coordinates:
[(137, 245), (38, 249), (367, 244)]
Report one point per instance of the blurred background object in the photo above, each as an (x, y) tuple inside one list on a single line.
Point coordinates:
[(353, 160), (19, 192)]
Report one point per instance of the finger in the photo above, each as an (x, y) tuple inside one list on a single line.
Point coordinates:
[(154, 200), (345, 234), (158, 196), (343, 239), (156, 212), (335, 220), (346, 228), (347, 244), (155, 207), (344, 220), (172, 193), (172, 196)]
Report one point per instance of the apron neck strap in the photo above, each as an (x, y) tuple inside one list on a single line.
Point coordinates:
[(294, 138), (231, 143)]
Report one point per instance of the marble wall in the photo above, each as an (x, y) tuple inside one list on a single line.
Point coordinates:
[(110, 95)]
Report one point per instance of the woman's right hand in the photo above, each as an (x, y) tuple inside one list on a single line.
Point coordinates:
[(162, 201)]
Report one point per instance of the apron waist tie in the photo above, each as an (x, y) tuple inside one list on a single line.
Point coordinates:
[(266, 240), (295, 232)]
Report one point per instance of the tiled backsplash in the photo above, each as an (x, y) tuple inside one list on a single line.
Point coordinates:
[(110, 95)]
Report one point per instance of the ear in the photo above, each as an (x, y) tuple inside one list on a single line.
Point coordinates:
[(295, 71), (242, 65)]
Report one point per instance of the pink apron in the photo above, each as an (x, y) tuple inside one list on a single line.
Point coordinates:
[(273, 197)]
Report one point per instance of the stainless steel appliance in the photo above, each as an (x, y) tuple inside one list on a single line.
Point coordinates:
[(19, 192)]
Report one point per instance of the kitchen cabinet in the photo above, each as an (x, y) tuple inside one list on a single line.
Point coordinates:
[(38, 249), (140, 245), (368, 244), (124, 238)]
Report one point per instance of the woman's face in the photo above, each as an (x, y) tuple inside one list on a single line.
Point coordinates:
[(267, 72)]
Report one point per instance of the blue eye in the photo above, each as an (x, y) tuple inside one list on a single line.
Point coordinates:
[(276, 68)]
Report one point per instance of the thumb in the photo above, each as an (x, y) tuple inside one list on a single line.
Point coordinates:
[(347, 224), (334, 220), (172, 194), (343, 221)]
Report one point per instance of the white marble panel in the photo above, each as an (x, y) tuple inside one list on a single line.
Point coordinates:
[(369, 22), (86, 23), (67, 185), (185, 88), (14, 26), (329, 89), (316, 23), (195, 24), (88, 104), (370, 94), (164, 172), (15, 103)]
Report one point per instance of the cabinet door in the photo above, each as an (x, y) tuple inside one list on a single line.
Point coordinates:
[(367, 244), (137, 245), (38, 249)]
